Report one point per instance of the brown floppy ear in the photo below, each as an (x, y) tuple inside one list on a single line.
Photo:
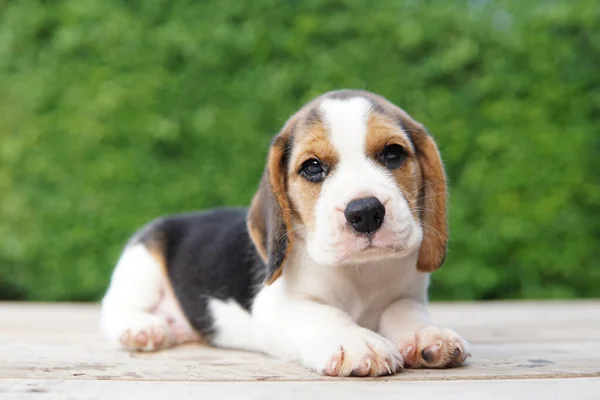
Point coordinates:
[(269, 217), (432, 203)]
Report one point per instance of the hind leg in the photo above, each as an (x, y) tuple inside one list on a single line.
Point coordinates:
[(139, 311)]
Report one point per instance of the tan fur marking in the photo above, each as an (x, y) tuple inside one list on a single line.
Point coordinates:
[(433, 203), (432, 190), (275, 275), (313, 143), (154, 242), (277, 178), (256, 228), (421, 178), (382, 132), (155, 248), (158, 256), (270, 214)]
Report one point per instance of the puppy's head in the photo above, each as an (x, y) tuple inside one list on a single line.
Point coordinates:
[(353, 178)]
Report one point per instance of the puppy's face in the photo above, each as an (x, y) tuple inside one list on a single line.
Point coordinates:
[(353, 178), (353, 182)]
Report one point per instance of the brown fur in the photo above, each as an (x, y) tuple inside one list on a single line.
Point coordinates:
[(283, 195), (312, 143), (256, 227), (159, 257), (382, 132), (432, 205), (154, 240), (269, 218), (431, 202)]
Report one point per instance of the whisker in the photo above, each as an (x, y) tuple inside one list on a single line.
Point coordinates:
[(419, 199), (428, 228)]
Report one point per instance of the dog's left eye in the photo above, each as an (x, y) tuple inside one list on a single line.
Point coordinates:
[(313, 170), (393, 155)]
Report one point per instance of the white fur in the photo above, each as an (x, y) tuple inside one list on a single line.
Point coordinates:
[(233, 325), (331, 298), (139, 301), (344, 311), (292, 327), (333, 310), (355, 176)]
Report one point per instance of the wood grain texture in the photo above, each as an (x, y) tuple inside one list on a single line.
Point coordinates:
[(560, 389), (519, 341)]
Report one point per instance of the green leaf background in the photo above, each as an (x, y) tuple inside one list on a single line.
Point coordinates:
[(113, 112)]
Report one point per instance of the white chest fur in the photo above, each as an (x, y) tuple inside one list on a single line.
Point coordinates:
[(362, 289)]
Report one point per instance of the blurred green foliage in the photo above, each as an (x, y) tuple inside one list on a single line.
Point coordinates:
[(114, 112)]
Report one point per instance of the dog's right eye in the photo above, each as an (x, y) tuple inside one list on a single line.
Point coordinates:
[(393, 156), (313, 170)]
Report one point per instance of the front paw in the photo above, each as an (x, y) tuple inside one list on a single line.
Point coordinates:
[(358, 352), (433, 347)]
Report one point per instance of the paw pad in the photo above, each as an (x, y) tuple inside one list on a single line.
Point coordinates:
[(434, 347), (150, 336)]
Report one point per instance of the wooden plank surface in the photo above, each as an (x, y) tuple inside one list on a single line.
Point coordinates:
[(530, 389), (60, 345)]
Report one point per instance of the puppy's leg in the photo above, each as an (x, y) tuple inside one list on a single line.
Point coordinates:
[(321, 337), (139, 311), (421, 343), (232, 326)]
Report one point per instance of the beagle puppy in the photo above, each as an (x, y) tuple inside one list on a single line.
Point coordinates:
[(328, 267)]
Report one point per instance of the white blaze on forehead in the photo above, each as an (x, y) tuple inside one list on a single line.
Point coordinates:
[(355, 176), (346, 121)]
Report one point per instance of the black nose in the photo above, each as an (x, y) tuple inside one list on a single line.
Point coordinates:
[(365, 215)]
